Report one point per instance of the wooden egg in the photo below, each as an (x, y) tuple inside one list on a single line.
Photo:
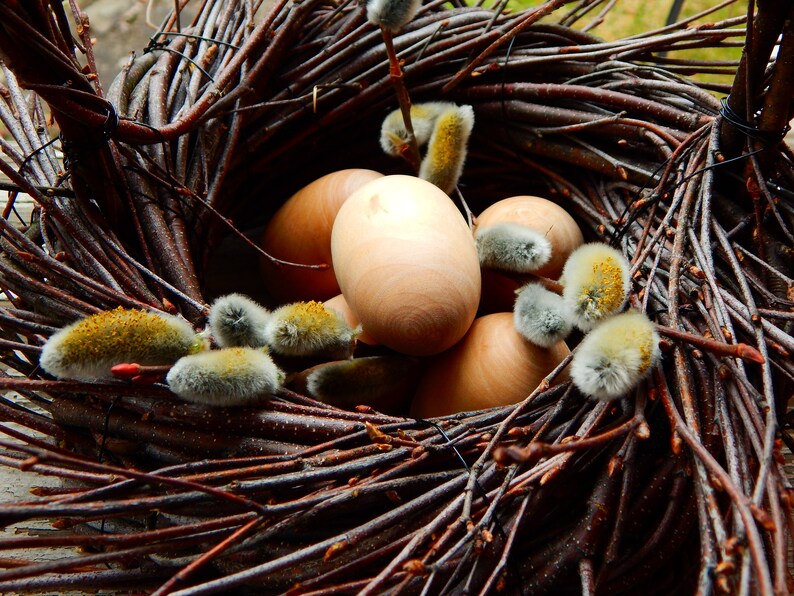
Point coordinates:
[(406, 263), (300, 232), (498, 288), (493, 365), (340, 305), (544, 216)]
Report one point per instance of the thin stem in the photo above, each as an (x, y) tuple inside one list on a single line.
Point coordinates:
[(411, 153)]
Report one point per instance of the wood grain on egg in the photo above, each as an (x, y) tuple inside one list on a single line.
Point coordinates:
[(491, 366), (300, 232), (340, 305), (406, 263)]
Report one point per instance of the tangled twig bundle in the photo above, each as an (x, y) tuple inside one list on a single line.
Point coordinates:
[(677, 488)]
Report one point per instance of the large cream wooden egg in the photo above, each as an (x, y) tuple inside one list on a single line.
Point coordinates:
[(406, 263)]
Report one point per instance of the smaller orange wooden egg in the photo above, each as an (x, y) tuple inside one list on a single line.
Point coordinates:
[(300, 232), (493, 365), (547, 217)]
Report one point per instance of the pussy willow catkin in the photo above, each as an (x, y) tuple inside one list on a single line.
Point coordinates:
[(236, 320), (541, 316), (309, 329), (393, 135), (446, 150), (512, 247), (226, 377), (392, 14), (615, 356), (89, 348), (595, 282)]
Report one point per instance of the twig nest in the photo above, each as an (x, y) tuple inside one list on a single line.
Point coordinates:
[(541, 215), (406, 263), (493, 365), (300, 232)]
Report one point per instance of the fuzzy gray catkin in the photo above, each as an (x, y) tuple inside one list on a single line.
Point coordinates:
[(541, 316), (236, 320), (392, 14), (512, 247), (615, 356), (226, 377)]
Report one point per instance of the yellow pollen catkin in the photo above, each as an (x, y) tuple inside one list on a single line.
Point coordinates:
[(446, 150), (225, 377), (88, 348), (645, 354), (615, 356), (394, 136), (606, 286), (595, 283), (312, 316), (308, 328)]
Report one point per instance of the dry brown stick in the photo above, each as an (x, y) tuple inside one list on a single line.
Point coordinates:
[(661, 541), (304, 554), (15, 511), (738, 498), (85, 581), (28, 251), (84, 31), (619, 101), (132, 555), (584, 540), (75, 229), (403, 98), (444, 516), (507, 34), (768, 391), (624, 456), (536, 449), (29, 137), (740, 350), (207, 557), (486, 518), (504, 559), (504, 426), (121, 539), (762, 34)]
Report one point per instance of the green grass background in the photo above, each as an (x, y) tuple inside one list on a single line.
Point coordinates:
[(629, 17), (632, 17)]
